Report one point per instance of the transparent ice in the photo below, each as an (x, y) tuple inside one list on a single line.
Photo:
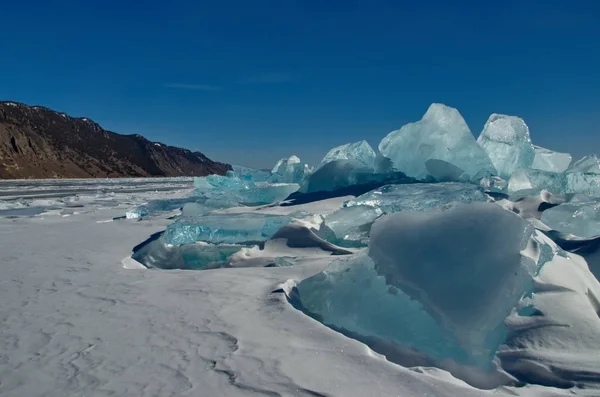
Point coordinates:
[(290, 170), (476, 252), (547, 160), (587, 165), (350, 295), (359, 151), (350, 226), (250, 174), (583, 183), (531, 180), (442, 134), (580, 218), (418, 196), (224, 228), (507, 142)]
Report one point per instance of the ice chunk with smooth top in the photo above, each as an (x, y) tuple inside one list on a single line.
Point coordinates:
[(547, 160), (224, 228), (359, 151), (442, 134), (507, 142), (467, 266)]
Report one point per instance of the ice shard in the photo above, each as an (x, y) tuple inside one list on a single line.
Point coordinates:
[(350, 226), (358, 151), (507, 142), (530, 180), (581, 218), (547, 160), (266, 193), (494, 184), (583, 183), (587, 165), (418, 196), (442, 134), (156, 207), (224, 228), (290, 170), (334, 175), (250, 174)]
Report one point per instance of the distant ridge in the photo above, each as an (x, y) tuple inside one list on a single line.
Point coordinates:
[(37, 142)]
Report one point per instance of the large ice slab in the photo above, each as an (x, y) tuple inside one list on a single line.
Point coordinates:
[(587, 165), (468, 266), (224, 228), (359, 151), (350, 226), (507, 142), (535, 180), (442, 134), (439, 282), (579, 218), (548, 160), (418, 196)]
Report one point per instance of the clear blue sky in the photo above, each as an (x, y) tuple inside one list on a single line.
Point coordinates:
[(252, 81)]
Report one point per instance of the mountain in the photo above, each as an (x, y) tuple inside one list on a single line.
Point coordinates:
[(37, 142)]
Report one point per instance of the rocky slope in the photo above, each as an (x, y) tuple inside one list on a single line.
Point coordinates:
[(36, 142)]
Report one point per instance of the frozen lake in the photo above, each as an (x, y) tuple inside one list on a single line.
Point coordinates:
[(76, 322)]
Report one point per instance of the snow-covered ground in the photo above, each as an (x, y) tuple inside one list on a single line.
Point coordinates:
[(77, 319)]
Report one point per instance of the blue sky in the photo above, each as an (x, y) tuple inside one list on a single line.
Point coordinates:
[(252, 81)]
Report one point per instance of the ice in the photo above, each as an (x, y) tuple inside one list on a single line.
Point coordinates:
[(530, 180), (467, 266), (442, 171), (224, 228), (581, 218), (442, 134), (233, 190), (267, 193), (580, 183), (250, 174), (507, 142), (494, 184), (156, 207), (340, 174), (359, 151), (350, 295), (290, 170), (334, 175), (587, 165), (227, 182), (350, 226), (547, 160), (199, 256), (418, 196)]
